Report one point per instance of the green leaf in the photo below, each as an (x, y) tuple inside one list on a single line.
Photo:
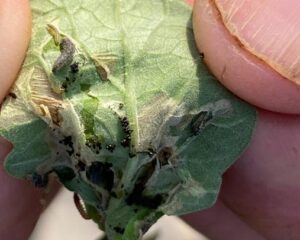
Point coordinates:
[(114, 98), (23, 162)]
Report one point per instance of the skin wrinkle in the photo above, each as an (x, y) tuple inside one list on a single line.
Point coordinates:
[(220, 221), (232, 31), (264, 40), (246, 219), (236, 38), (245, 73), (241, 217)]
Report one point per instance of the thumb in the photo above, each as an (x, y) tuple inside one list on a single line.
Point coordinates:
[(19, 202), (15, 29), (253, 48)]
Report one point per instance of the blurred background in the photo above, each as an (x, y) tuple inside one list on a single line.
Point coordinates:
[(61, 221)]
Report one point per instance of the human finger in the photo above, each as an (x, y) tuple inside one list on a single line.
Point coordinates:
[(252, 47)]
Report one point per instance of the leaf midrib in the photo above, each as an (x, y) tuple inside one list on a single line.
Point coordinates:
[(129, 83)]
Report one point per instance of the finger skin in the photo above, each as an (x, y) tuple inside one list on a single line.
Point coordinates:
[(19, 201), (239, 70), (263, 187), (220, 223), (267, 29), (15, 30)]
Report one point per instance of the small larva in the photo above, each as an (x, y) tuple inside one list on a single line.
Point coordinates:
[(67, 49), (12, 95), (200, 123), (103, 71), (80, 206)]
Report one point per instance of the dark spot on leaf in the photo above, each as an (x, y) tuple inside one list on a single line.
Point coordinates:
[(201, 121), (124, 122), (164, 154), (150, 152), (65, 86), (136, 196), (85, 87), (80, 166), (12, 95), (74, 67), (126, 141), (113, 194), (121, 105), (94, 145), (127, 131), (68, 142), (119, 230), (64, 173), (110, 147), (39, 181), (101, 174), (70, 152)]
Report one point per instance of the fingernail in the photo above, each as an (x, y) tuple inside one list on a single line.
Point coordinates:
[(231, 48), (268, 29)]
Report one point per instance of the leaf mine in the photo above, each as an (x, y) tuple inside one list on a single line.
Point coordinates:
[(46, 102), (102, 63)]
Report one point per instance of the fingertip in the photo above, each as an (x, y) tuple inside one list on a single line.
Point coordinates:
[(21, 204), (239, 70), (267, 175), (219, 221), (15, 31)]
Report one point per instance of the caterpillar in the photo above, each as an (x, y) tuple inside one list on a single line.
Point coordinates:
[(67, 50)]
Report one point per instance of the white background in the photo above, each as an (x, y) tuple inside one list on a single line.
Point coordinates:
[(61, 221)]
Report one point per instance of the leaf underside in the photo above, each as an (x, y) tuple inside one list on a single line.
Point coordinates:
[(115, 100)]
